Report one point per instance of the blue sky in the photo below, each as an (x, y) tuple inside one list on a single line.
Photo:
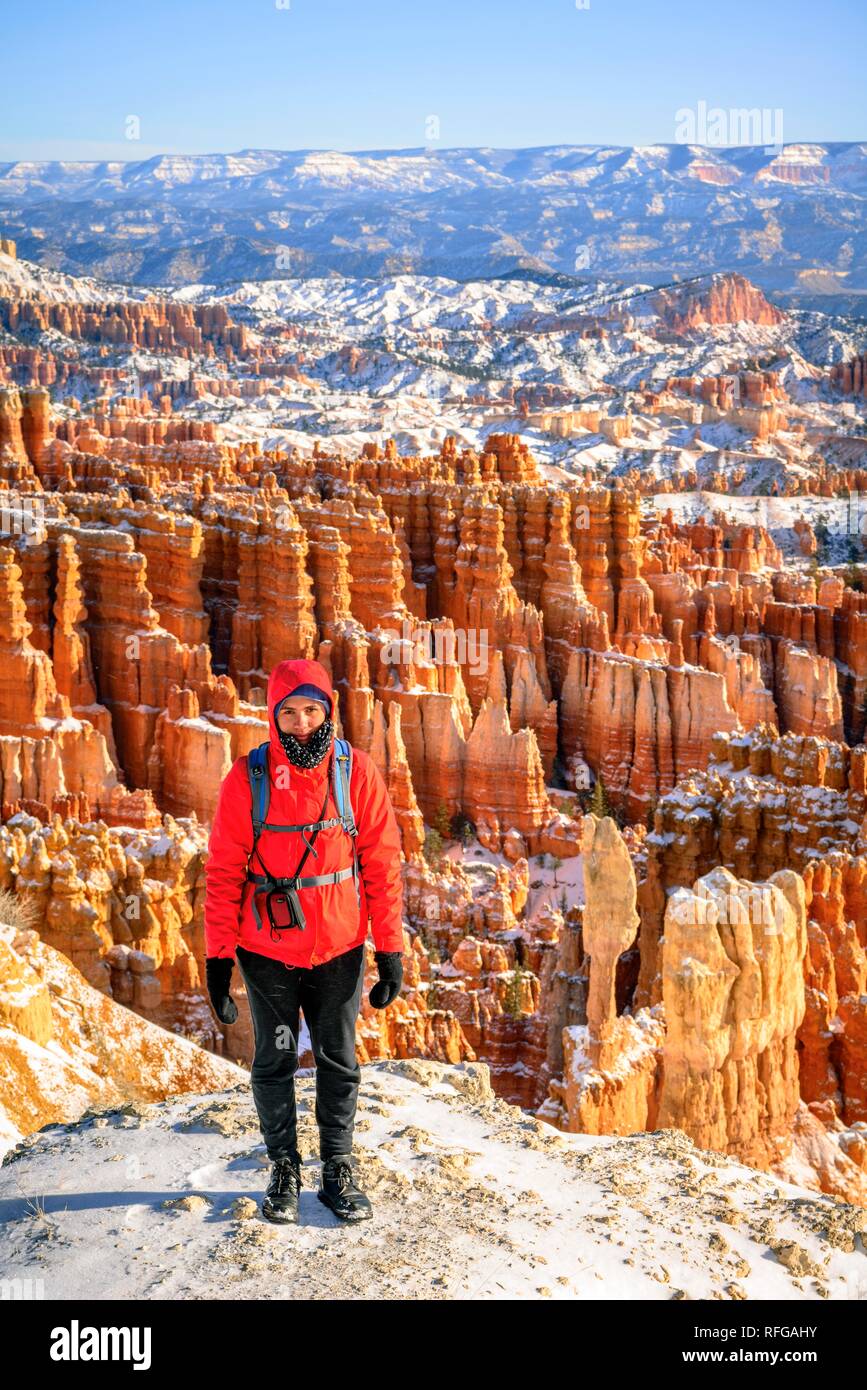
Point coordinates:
[(367, 74)]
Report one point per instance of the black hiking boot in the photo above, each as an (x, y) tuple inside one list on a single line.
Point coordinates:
[(339, 1192), (281, 1200)]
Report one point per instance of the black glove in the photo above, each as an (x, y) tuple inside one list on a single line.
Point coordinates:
[(218, 974), (390, 967)]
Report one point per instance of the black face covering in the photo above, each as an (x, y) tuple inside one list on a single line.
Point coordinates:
[(311, 753)]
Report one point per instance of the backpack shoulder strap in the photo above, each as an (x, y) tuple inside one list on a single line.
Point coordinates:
[(260, 786), (343, 798), (342, 777)]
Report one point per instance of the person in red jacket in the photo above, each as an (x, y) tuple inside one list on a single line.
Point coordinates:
[(317, 969)]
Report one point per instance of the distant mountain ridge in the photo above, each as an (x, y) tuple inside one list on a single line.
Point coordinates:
[(791, 221), (842, 165)]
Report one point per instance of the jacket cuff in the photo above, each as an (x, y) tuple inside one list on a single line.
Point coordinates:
[(389, 941)]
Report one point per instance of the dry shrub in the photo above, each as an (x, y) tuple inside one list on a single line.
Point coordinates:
[(16, 912)]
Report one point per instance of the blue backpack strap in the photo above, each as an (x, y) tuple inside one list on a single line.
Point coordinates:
[(343, 798), (260, 787), (342, 775), (260, 792)]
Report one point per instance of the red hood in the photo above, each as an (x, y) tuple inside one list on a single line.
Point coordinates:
[(285, 677)]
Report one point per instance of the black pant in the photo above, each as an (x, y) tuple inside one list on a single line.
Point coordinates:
[(330, 997)]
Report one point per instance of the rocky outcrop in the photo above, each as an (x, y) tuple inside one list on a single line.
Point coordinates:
[(807, 693), (850, 377), (152, 324), (605, 1065), (640, 725), (725, 298), (733, 993), (609, 923), (717, 1056), (66, 1047)]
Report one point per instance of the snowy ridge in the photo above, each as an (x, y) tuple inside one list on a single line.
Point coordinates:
[(472, 1199), (423, 169)]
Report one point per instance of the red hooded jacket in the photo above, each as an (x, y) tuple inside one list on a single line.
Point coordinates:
[(334, 923)]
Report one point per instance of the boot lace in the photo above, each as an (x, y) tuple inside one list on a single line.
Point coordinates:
[(286, 1174), (341, 1171)]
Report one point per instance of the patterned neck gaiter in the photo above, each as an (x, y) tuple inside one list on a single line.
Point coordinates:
[(311, 753)]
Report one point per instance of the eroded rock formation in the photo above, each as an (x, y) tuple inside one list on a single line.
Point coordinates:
[(494, 639)]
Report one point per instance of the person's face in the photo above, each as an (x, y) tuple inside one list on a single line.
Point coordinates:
[(299, 715)]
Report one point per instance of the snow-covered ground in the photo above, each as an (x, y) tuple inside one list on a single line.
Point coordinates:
[(472, 1199), (27, 280)]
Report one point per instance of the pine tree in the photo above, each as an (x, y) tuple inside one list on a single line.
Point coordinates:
[(599, 803), (433, 848), (514, 999)]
